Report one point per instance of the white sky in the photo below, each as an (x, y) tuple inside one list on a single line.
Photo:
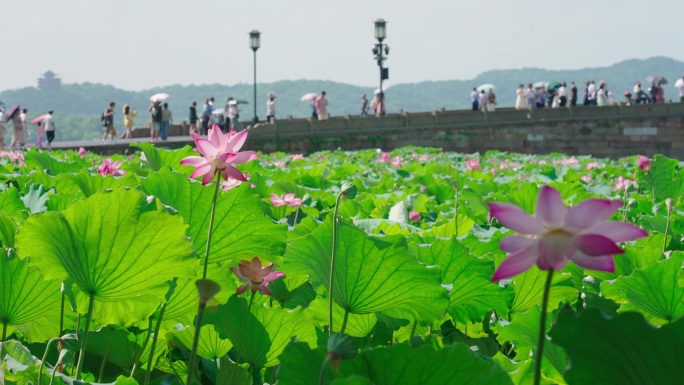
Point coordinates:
[(139, 44)]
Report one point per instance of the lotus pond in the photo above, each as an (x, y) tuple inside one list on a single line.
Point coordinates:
[(104, 279)]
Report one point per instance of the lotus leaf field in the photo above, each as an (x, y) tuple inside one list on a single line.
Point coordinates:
[(106, 256)]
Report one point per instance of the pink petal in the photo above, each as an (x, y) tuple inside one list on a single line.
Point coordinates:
[(262, 288), (195, 136), (206, 148), (246, 271), (236, 141), (244, 157), (215, 136), (226, 157), (589, 212), (601, 263), (515, 218), (515, 243), (193, 161), (238, 274), (255, 265), (557, 249), (595, 245), (276, 201), (234, 173), (272, 276), (617, 231), (208, 177), (550, 207), (265, 271), (517, 263), (205, 169), (242, 288)]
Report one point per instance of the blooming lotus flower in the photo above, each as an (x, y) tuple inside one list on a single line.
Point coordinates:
[(219, 153), (286, 199), (581, 234), (643, 163), (296, 157), (623, 184), (82, 152), (569, 161), (472, 164), (110, 167), (397, 162), (414, 216), (256, 277), (385, 158), (229, 184), (587, 179)]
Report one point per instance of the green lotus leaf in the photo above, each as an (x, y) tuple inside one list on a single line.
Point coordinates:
[(52, 166), (157, 158), (259, 333), (395, 365), (85, 184), (12, 205), (459, 226), (653, 291), (115, 246), (352, 380), (123, 347), (21, 367), (529, 289), (35, 199), (665, 178), (241, 230), (472, 294), (179, 368), (232, 374), (623, 350), (371, 274), (210, 346), (358, 325)]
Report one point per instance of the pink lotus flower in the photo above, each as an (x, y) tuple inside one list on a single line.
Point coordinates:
[(593, 165), (110, 167), (414, 216), (569, 161), (385, 158), (297, 157), (541, 163), (643, 163), (494, 170), (82, 152), (581, 234), (472, 164), (219, 154), (623, 184), (17, 157), (256, 277), (229, 184), (587, 179), (397, 162), (286, 199)]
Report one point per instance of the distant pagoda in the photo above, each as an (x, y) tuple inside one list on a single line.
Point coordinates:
[(49, 82)]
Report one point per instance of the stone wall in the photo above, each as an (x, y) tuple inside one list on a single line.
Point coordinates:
[(612, 131)]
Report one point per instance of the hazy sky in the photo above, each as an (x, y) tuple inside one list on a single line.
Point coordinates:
[(139, 44)]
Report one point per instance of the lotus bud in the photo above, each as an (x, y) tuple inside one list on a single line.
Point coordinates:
[(207, 289), (643, 163), (414, 216), (668, 205), (340, 347)]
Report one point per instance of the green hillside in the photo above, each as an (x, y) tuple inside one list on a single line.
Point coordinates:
[(78, 106)]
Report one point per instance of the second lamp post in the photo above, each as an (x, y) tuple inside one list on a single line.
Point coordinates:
[(381, 50), (254, 44)]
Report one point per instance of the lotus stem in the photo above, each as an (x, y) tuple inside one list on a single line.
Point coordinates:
[(150, 359), (332, 263), (324, 370), (256, 375), (78, 327), (137, 354), (86, 329), (106, 357), (211, 226), (195, 341), (456, 209), (625, 206), (542, 329), (413, 329), (344, 321), (42, 362), (61, 316), (295, 218), (667, 227)]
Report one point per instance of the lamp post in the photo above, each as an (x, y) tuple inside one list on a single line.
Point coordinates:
[(254, 44), (379, 49)]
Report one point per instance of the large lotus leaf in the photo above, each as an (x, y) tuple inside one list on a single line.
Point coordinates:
[(123, 347), (472, 294), (358, 325), (11, 204), (52, 166), (179, 368), (529, 289), (29, 303), (371, 274), (210, 345), (21, 367), (623, 350), (640, 255), (157, 158), (653, 291), (395, 365), (114, 245), (35, 199), (231, 374), (459, 226), (241, 230), (87, 184), (664, 177), (523, 332), (259, 333), (522, 373), (182, 304)]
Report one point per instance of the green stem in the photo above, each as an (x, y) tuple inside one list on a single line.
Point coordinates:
[(456, 204), (295, 218), (211, 226), (332, 263), (542, 329), (78, 328), (625, 205), (150, 359), (216, 370), (195, 341), (324, 370), (653, 197), (61, 316), (413, 329), (89, 317), (344, 321), (42, 362), (138, 353), (667, 229), (256, 375), (106, 357), (52, 376)]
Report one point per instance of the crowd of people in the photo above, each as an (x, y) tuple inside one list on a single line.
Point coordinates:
[(18, 117)]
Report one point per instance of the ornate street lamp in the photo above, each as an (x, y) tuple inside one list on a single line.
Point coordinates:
[(380, 51), (254, 44)]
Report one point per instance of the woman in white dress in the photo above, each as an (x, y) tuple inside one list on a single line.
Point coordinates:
[(520, 98)]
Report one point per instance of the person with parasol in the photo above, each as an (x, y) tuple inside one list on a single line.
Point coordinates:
[(18, 138)]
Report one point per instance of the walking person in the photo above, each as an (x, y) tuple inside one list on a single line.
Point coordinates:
[(364, 105), (40, 133), (491, 100), (474, 99), (592, 93), (207, 109), (2, 127), (573, 94), (531, 97), (18, 138), (192, 118), (128, 115), (271, 108), (680, 84), (520, 102), (108, 123), (482, 100), (166, 120), (155, 121), (233, 115), (379, 105), (321, 106), (562, 95), (602, 95), (25, 122), (49, 126)]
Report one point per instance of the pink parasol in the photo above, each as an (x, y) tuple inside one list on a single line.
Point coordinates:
[(309, 96), (39, 119), (10, 112)]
